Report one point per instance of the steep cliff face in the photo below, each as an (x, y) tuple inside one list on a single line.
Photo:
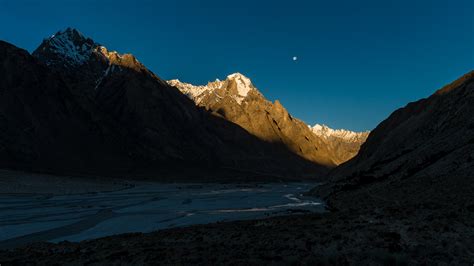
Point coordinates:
[(237, 100), (423, 150)]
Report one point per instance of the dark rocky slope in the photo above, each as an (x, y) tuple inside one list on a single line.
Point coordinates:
[(43, 127), (422, 152)]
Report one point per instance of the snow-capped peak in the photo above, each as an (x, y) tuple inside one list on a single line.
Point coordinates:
[(243, 86), (69, 46), (347, 135), (72, 31)]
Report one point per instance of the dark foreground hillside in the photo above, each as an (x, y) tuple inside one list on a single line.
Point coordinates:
[(424, 150)]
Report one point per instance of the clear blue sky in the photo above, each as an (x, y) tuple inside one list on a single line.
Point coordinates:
[(357, 60)]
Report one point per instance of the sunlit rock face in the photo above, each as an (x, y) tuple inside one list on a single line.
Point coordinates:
[(239, 101)]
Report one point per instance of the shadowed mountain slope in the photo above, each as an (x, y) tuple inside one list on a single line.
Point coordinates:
[(422, 152), (43, 127), (76, 107)]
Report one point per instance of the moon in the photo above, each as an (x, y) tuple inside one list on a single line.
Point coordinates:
[(295, 58)]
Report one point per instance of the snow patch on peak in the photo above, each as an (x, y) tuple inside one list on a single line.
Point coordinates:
[(243, 80), (197, 93), (71, 45), (70, 49), (326, 132), (244, 86)]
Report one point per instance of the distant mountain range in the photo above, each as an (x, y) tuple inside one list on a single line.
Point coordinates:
[(345, 144), (74, 107)]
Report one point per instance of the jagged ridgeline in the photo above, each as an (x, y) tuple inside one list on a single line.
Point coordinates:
[(236, 99)]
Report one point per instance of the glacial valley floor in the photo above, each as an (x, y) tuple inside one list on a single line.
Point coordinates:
[(419, 234)]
